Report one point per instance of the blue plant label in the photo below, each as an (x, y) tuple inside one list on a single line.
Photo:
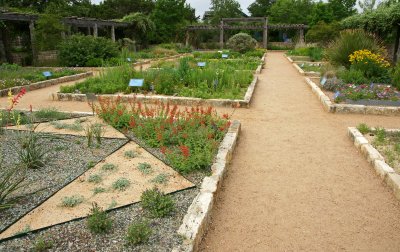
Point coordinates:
[(136, 82), (201, 64), (47, 74), (323, 80), (337, 94), (225, 56), (302, 65), (129, 59)]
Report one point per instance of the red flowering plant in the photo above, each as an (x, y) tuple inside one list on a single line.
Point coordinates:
[(10, 116), (188, 138)]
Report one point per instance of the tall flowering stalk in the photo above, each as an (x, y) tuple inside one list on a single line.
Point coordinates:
[(187, 137)]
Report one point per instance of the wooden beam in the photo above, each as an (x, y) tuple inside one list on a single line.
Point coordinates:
[(10, 16), (249, 19)]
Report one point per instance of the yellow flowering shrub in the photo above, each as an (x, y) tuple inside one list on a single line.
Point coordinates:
[(366, 56), (373, 66)]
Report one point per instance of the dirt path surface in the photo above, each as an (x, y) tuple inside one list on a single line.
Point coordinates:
[(296, 183)]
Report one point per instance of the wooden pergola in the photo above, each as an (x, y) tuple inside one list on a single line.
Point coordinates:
[(90, 23), (224, 25)]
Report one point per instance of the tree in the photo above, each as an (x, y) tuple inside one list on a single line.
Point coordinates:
[(367, 5), (111, 9), (170, 18), (342, 8), (261, 8), (291, 11), (141, 26), (321, 12), (224, 9)]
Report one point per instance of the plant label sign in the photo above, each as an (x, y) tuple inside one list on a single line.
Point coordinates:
[(136, 82), (129, 59), (225, 56), (91, 97), (201, 64), (323, 80), (47, 74)]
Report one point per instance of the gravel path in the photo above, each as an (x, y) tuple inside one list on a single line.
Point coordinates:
[(296, 182)]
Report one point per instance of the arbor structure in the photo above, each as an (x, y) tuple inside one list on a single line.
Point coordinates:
[(224, 25)]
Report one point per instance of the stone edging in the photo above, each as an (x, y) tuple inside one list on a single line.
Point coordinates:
[(46, 83), (350, 108), (382, 169), (197, 218)]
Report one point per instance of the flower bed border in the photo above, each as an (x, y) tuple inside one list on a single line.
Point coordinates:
[(375, 159), (245, 102), (197, 218), (350, 108), (301, 71), (46, 83)]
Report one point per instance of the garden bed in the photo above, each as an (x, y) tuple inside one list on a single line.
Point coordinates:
[(327, 100), (197, 81), (74, 234), (381, 148)]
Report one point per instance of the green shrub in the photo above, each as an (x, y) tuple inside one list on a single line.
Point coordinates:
[(138, 232), (363, 128), (41, 244), (241, 42), (145, 168), (11, 180), (156, 203), (121, 184), (98, 221), (109, 167), (49, 114), (352, 76), (348, 42), (322, 33), (95, 178), (79, 50)]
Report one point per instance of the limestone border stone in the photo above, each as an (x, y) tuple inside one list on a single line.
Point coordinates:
[(197, 218), (383, 170), (332, 107), (46, 83)]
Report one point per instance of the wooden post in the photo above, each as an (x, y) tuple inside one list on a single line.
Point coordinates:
[(113, 33), (221, 35), (95, 31), (33, 41), (265, 34), (187, 38), (396, 44), (301, 38)]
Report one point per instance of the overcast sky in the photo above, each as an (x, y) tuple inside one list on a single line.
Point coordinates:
[(202, 5)]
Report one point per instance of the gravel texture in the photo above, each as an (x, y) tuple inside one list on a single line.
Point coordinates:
[(69, 157), (75, 236)]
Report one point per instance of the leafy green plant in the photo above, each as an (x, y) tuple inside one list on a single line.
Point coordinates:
[(161, 178), (380, 135), (95, 178), (322, 33), (72, 201), (121, 184), (130, 154), (31, 149), (98, 190), (138, 232), (49, 114), (98, 222), (145, 168), (109, 167), (80, 50), (42, 244), (156, 203), (363, 128), (241, 42), (11, 180), (352, 76), (89, 135)]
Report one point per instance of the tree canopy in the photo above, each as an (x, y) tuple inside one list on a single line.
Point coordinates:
[(225, 9)]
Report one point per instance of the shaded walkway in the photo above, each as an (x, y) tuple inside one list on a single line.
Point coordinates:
[(296, 183)]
